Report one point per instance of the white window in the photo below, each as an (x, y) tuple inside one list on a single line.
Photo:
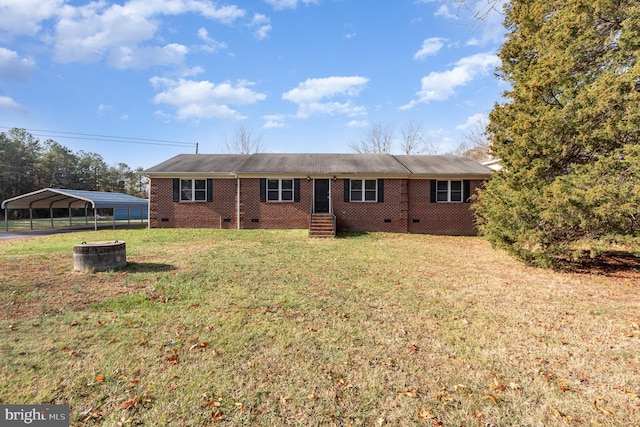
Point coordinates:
[(364, 190), (280, 190), (449, 191), (193, 190)]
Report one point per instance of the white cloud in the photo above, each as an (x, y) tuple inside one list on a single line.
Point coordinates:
[(204, 99), (358, 124), (330, 109), (430, 47), (309, 94), (316, 89), (211, 45), (97, 30), (103, 108), (487, 16), (263, 24), (438, 86), (12, 67), (288, 4), (9, 104), (274, 121), (473, 122), (23, 17), (444, 11), (145, 57)]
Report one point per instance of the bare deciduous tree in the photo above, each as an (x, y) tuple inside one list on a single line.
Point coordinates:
[(480, 9), (245, 141), (475, 144), (378, 139), (414, 141)]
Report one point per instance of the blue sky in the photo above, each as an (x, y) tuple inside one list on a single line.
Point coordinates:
[(304, 75)]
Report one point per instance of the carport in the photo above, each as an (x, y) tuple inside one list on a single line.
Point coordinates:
[(55, 198)]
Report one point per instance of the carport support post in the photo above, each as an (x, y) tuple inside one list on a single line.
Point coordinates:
[(6, 219), (95, 218), (70, 221), (31, 218), (51, 215)]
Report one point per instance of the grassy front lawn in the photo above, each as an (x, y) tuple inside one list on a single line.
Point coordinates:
[(271, 328)]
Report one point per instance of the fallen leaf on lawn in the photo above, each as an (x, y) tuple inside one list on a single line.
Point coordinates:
[(499, 387), (563, 386), (625, 391), (410, 392), (131, 403), (217, 415), (199, 346), (100, 377), (425, 414), (601, 409), (493, 397), (284, 400), (174, 359), (91, 414), (414, 348)]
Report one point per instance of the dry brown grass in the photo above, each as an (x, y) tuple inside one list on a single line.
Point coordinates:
[(271, 328)]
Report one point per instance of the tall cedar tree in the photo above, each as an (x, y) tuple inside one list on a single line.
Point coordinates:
[(568, 131)]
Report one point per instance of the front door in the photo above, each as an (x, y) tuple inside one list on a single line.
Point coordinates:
[(321, 196)]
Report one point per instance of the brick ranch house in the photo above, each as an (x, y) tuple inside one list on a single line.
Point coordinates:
[(325, 193)]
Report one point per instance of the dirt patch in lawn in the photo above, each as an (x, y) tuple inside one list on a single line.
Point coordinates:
[(39, 286), (618, 264)]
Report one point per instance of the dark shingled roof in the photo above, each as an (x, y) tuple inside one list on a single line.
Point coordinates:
[(320, 164), (442, 165), (308, 164), (200, 163)]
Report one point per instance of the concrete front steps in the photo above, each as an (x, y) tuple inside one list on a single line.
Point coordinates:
[(322, 225)]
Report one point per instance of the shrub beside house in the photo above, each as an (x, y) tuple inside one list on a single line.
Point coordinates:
[(358, 192)]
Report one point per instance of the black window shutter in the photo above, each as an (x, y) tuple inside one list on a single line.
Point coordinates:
[(347, 183), (263, 189), (380, 190), (466, 191), (433, 191), (209, 190), (176, 190), (296, 190)]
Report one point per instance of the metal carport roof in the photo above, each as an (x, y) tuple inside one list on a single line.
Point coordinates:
[(55, 198)]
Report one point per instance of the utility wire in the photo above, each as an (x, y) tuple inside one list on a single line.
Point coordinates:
[(106, 138)]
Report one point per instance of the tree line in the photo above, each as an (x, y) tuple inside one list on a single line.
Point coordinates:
[(27, 164)]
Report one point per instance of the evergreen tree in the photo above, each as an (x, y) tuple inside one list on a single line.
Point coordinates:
[(568, 132)]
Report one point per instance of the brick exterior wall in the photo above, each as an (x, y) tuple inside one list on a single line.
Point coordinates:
[(277, 215), (439, 218), (390, 215), (406, 208), (219, 213)]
